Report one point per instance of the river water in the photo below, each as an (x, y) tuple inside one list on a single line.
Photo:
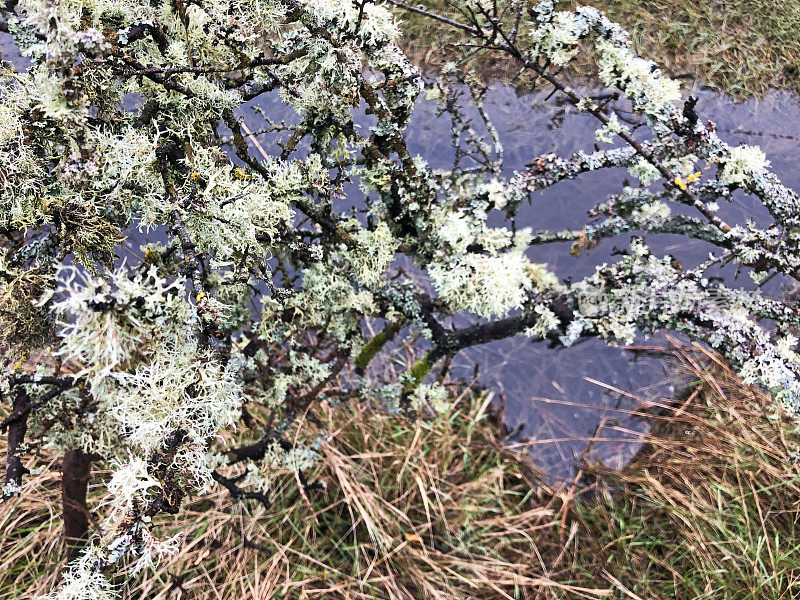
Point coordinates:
[(558, 400)]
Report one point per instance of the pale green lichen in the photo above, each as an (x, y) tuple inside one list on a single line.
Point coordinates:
[(644, 171), (741, 164), (611, 129), (373, 254), (179, 391), (489, 285), (436, 396), (82, 581)]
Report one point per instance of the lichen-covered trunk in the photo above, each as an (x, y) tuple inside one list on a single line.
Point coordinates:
[(74, 485)]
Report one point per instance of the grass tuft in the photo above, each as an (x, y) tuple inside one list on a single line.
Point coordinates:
[(708, 509)]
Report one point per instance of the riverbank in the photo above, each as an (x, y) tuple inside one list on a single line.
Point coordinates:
[(441, 508), (739, 47)]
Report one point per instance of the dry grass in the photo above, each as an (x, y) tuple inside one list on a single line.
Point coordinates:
[(413, 509), (440, 509), (709, 509)]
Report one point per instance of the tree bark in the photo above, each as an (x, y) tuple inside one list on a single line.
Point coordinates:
[(16, 437), (74, 486)]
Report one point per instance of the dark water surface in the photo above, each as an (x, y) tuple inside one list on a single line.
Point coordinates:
[(560, 399), (563, 398)]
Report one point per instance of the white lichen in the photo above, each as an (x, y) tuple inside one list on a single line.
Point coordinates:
[(741, 164)]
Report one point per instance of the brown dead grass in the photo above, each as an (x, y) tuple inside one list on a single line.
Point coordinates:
[(439, 508), (413, 509), (711, 506)]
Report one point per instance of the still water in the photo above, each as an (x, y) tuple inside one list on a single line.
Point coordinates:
[(562, 398), (557, 400)]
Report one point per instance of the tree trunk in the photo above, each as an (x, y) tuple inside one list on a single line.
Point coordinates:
[(16, 437), (74, 485)]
